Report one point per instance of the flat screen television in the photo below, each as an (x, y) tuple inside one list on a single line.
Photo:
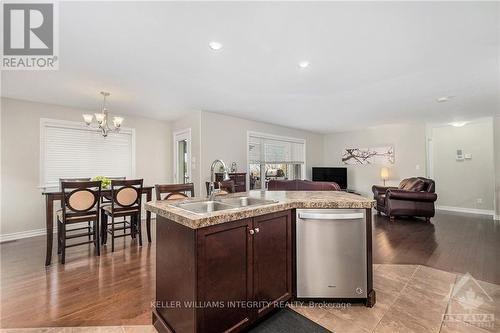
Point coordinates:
[(330, 174)]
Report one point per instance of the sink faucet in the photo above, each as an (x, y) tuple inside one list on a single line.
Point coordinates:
[(225, 176)]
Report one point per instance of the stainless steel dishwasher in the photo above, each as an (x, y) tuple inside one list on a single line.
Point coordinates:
[(331, 253)]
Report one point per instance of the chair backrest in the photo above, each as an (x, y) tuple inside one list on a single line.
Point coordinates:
[(126, 195), (117, 178), (72, 180), (174, 191), (80, 198), (225, 185), (418, 184), (108, 198)]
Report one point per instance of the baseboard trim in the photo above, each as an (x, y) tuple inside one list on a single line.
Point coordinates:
[(23, 234), (33, 233), (467, 210)]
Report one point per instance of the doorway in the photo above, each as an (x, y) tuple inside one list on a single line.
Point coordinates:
[(182, 156)]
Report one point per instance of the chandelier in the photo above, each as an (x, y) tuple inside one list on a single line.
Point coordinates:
[(102, 118)]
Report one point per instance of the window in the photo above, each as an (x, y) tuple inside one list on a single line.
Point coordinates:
[(274, 157), (72, 150)]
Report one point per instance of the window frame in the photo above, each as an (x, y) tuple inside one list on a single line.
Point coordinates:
[(74, 125), (262, 135)]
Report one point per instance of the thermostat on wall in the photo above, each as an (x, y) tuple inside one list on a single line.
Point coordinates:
[(460, 155)]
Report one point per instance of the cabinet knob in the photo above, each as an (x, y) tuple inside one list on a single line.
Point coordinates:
[(257, 230), (251, 231)]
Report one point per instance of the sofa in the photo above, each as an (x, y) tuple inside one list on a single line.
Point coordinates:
[(413, 197), (301, 185)]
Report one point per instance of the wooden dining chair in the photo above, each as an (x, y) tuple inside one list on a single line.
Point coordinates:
[(126, 202), (174, 191), (81, 179), (106, 199), (80, 203), (226, 186)]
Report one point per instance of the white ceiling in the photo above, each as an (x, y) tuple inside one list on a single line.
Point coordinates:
[(370, 63)]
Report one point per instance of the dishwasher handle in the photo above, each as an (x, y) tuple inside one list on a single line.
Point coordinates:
[(330, 216)]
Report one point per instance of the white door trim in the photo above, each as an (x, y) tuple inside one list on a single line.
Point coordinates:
[(180, 135)]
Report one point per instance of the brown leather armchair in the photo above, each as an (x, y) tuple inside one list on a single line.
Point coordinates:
[(413, 197), (301, 185)]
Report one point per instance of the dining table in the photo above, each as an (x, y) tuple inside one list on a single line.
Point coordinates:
[(52, 195)]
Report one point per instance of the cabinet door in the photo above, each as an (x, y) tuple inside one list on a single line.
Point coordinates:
[(272, 258), (224, 276)]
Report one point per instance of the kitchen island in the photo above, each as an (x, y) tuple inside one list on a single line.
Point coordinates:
[(223, 270)]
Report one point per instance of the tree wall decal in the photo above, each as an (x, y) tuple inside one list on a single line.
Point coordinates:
[(374, 155)]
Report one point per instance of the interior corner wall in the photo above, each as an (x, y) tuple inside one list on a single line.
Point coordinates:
[(409, 141), (225, 137)]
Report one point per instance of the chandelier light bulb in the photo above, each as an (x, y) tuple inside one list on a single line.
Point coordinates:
[(117, 121), (88, 119), (99, 117)]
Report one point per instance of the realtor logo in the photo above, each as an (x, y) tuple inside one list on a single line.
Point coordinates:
[(29, 36), (470, 305)]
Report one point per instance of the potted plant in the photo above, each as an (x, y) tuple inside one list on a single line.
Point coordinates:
[(105, 182)]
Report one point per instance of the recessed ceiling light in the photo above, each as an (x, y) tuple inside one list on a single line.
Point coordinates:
[(444, 99), (304, 64), (459, 123), (215, 46)]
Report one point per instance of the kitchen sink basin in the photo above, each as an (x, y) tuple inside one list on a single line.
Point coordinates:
[(246, 201), (202, 207)]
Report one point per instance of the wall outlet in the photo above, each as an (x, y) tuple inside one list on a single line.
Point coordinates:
[(479, 200), (417, 167)]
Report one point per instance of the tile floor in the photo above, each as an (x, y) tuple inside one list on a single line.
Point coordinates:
[(410, 298)]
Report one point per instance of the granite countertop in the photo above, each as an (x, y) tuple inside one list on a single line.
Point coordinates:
[(286, 200)]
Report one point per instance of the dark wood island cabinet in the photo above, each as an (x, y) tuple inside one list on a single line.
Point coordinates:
[(221, 277), (222, 270)]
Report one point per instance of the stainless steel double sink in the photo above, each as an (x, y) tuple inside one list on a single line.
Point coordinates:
[(208, 206)]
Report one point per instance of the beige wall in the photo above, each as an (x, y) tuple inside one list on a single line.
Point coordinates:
[(496, 132), (22, 202), (409, 147), (225, 137), (467, 183)]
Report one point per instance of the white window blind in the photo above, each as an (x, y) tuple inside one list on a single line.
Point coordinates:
[(267, 150), (254, 150), (71, 150)]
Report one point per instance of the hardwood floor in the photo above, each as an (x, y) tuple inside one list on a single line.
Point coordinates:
[(87, 291), (117, 288), (458, 243)]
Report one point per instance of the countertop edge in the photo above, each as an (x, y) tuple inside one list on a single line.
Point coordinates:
[(195, 221)]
